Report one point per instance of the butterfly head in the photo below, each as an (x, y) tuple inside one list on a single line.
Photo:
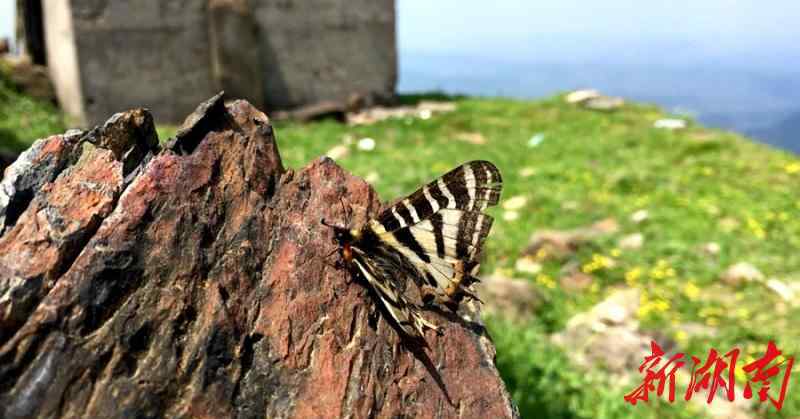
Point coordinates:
[(344, 237)]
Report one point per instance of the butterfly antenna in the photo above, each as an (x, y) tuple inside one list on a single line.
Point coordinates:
[(347, 213)]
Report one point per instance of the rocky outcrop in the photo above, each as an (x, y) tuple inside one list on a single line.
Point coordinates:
[(190, 280)]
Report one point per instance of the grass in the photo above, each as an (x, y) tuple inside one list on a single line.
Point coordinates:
[(698, 185), (24, 119)]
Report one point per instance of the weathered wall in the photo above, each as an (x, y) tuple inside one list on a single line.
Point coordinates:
[(326, 49), (167, 55), (152, 53)]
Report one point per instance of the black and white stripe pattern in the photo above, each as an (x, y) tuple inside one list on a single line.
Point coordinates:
[(433, 237), (442, 224), (472, 186)]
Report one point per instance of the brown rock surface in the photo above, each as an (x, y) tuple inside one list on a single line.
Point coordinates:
[(191, 281)]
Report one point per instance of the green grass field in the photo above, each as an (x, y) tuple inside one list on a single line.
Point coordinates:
[(698, 186)]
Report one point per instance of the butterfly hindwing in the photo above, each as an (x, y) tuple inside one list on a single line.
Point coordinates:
[(392, 294)]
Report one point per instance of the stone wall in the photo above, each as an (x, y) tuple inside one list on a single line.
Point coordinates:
[(167, 55)]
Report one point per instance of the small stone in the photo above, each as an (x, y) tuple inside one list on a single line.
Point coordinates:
[(435, 106), (640, 216), (632, 241), (366, 144), (338, 152), (670, 124), (741, 272), (527, 172), (582, 95), (513, 299), (711, 249), (729, 224), (781, 288), (510, 215), (471, 137), (372, 177), (570, 205), (536, 140), (576, 281), (515, 203), (528, 265), (603, 103)]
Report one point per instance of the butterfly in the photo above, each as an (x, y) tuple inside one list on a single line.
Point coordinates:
[(430, 239)]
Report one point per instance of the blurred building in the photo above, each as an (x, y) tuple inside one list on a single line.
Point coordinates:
[(169, 55)]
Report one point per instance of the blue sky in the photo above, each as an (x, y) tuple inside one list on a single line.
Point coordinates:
[(523, 29)]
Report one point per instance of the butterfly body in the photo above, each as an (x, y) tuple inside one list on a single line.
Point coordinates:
[(430, 239)]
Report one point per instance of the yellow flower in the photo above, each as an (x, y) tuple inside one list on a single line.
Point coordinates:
[(597, 263), (691, 291), (792, 168), (633, 275), (708, 171), (615, 252), (546, 281), (756, 228), (541, 253), (681, 337)]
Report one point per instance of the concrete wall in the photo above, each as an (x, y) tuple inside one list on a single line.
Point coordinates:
[(326, 49), (169, 55)]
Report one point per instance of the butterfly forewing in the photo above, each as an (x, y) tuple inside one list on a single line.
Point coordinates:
[(433, 237), (471, 186)]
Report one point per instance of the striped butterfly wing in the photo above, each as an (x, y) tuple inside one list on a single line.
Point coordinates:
[(392, 293), (440, 228)]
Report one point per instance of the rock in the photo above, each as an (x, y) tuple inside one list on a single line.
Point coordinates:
[(423, 110), (786, 292), (436, 106), (366, 144), (31, 79), (536, 140), (527, 265), (741, 272), (510, 215), (579, 96), (471, 137), (728, 224), (561, 244), (38, 165), (711, 249), (603, 103), (607, 335), (514, 203), (631, 241), (338, 152), (576, 281), (327, 109), (670, 124), (512, 299), (6, 159), (191, 281), (640, 216)]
